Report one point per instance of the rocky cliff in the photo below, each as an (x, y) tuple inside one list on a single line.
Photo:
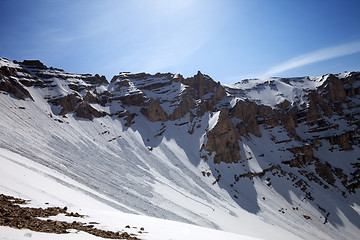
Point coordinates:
[(302, 133)]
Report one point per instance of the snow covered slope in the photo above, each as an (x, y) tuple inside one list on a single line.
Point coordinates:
[(257, 158), (23, 178)]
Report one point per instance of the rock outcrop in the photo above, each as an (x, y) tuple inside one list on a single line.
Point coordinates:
[(154, 112), (132, 99), (85, 110), (223, 140), (67, 103), (18, 216), (11, 85), (183, 108), (304, 155), (201, 85), (246, 111)]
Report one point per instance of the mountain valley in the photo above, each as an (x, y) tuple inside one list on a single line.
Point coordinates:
[(264, 154)]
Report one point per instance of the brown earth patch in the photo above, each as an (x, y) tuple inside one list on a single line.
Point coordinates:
[(15, 216)]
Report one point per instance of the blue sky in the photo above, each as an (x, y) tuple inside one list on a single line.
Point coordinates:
[(227, 39)]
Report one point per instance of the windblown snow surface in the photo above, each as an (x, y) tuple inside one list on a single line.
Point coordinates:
[(27, 179)]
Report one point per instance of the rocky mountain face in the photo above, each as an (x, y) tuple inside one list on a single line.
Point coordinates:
[(298, 135)]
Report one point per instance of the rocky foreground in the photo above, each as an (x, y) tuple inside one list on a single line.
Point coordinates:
[(14, 213)]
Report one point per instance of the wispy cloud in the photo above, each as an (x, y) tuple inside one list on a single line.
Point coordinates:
[(313, 57)]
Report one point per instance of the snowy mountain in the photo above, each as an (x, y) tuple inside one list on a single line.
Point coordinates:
[(267, 158)]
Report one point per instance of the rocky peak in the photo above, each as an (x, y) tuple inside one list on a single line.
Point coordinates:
[(96, 79), (201, 84), (33, 64), (178, 77)]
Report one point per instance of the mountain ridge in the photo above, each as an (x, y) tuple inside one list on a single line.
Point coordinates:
[(251, 141)]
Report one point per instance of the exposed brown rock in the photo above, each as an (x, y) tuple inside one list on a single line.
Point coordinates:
[(324, 171), (74, 103), (306, 150), (192, 116), (128, 117), (85, 110), (275, 169), (345, 140), (303, 156), (204, 106), (153, 111), (96, 79), (12, 85), (68, 103), (335, 88), (19, 217), (34, 64), (289, 123), (91, 98), (132, 99), (354, 182), (284, 105), (313, 112), (246, 110), (288, 117), (178, 78), (105, 97), (156, 85), (183, 108), (201, 84), (219, 94), (317, 99), (223, 140), (122, 82)]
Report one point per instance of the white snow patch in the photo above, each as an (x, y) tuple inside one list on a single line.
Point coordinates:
[(213, 120), (251, 158)]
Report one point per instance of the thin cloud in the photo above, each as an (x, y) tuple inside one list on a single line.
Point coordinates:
[(317, 56)]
